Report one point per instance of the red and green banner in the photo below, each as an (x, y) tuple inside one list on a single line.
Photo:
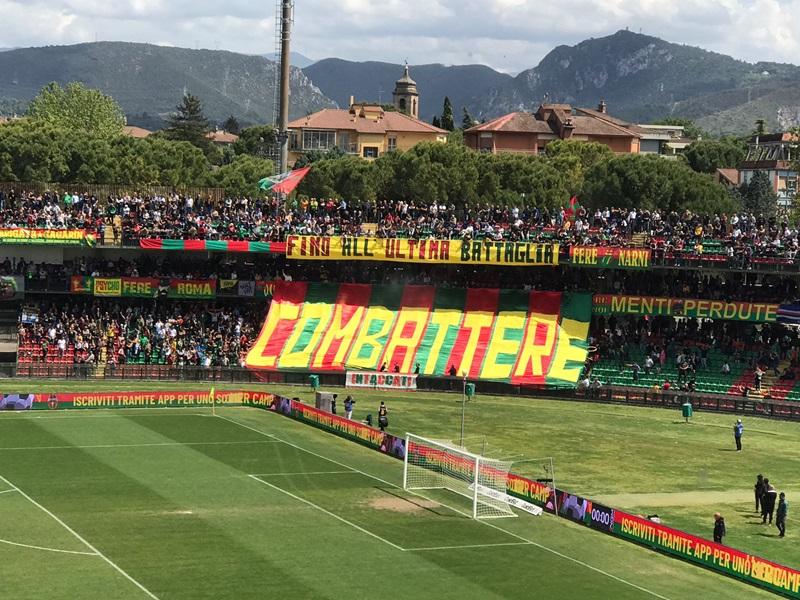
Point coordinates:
[(115, 287), (47, 237), (532, 338), (137, 399), (609, 257), (213, 246), (732, 562), (756, 312)]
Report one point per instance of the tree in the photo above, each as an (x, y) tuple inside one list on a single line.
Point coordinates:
[(259, 141), (690, 130), (231, 125), (447, 115), (650, 182), (758, 195), (706, 156), (77, 108), (436, 122), (466, 120), (189, 124), (240, 178)]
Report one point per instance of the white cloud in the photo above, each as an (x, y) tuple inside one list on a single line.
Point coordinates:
[(506, 34)]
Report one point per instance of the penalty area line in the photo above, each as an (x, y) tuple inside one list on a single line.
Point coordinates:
[(466, 546), (301, 472), (327, 512), (32, 547), (144, 445), (86, 543), (482, 521)]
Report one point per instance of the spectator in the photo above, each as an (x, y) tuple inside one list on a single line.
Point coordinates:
[(719, 528)]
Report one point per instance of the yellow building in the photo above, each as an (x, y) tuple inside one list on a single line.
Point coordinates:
[(366, 130)]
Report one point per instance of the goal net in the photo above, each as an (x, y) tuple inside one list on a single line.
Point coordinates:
[(438, 465)]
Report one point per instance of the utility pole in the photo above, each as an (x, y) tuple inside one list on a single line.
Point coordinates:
[(283, 119)]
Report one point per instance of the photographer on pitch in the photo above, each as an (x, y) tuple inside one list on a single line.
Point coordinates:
[(383, 416)]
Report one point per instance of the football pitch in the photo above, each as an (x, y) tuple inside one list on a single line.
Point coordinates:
[(177, 503)]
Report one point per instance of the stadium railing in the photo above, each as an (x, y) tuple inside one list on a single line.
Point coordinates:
[(634, 396)]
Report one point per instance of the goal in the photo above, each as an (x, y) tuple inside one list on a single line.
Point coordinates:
[(438, 465)]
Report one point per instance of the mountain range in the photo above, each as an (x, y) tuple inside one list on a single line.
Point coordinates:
[(642, 78), (149, 81)]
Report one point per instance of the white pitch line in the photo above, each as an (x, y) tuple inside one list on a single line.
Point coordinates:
[(154, 444), (467, 546), (83, 540), (8, 491), (482, 521), (107, 413), (327, 512), (300, 472), (10, 543)]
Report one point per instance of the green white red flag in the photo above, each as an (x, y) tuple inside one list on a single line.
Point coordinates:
[(285, 183)]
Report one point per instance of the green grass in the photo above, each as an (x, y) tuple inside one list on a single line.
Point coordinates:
[(167, 496)]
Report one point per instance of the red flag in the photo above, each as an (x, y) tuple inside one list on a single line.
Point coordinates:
[(285, 183)]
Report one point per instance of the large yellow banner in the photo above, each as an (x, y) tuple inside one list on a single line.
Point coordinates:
[(453, 252)]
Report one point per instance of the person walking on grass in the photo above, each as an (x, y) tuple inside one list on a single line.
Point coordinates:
[(780, 514), (768, 502), (383, 417), (348, 407), (759, 489), (738, 431), (719, 528)]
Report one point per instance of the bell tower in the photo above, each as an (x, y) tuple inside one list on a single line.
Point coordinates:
[(405, 95)]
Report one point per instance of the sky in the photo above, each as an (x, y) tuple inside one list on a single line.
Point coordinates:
[(508, 35)]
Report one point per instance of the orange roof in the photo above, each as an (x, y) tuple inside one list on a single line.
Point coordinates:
[(524, 122), (222, 137), (731, 176), (340, 119), (136, 132)]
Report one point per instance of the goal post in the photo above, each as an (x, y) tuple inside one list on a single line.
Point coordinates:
[(437, 465)]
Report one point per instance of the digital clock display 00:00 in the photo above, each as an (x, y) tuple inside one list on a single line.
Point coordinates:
[(601, 517)]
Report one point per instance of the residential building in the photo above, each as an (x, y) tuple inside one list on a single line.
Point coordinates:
[(136, 132), (366, 129), (727, 177), (222, 138), (529, 133), (777, 155)]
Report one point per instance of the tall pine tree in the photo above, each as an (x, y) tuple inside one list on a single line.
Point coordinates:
[(436, 122), (447, 115), (466, 120), (189, 124)]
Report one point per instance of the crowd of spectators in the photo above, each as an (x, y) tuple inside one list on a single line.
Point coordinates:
[(738, 238), (725, 286), (102, 332), (693, 349)]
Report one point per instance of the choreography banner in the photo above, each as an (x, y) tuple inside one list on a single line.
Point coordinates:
[(605, 256), (47, 237), (676, 307), (532, 338), (213, 246), (452, 252), (380, 381)]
